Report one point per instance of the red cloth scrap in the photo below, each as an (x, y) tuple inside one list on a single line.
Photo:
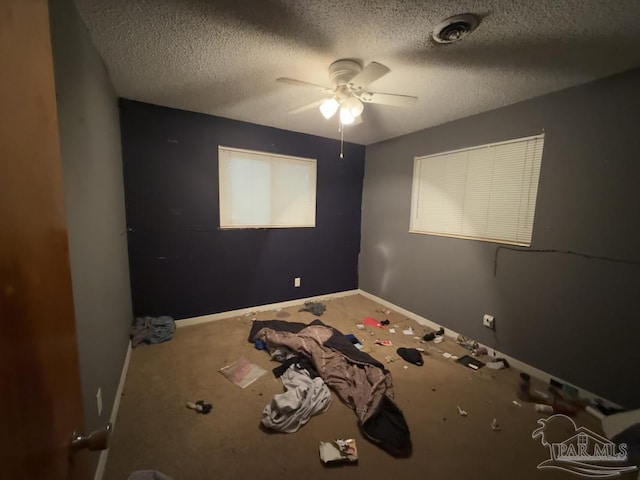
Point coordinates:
[(372, 322)]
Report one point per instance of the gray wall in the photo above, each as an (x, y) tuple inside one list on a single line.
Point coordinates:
[(572, 316), (94, 199)]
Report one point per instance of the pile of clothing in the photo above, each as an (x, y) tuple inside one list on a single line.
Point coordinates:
[(360, 381), (306, 395)]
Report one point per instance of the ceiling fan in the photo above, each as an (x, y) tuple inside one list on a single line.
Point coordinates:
[(349, 94)]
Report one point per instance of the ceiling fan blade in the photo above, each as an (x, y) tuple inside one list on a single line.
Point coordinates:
[(388, 99), (369, 74), (301, 83), (309, 106)]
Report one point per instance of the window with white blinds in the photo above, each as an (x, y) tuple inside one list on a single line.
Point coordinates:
[(265, 190), (484, 193)]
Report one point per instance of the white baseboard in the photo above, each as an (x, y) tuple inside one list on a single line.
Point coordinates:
[(513, 362), (102, 462), (188, 322)]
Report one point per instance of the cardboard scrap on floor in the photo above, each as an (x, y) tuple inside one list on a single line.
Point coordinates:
[(339, 451), (242, 372)]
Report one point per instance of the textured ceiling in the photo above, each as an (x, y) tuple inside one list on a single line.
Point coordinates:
[(222, 57)]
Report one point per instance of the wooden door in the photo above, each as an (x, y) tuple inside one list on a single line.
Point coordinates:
[(40, 397)]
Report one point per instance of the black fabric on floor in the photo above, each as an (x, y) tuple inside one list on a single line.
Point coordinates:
[(301, 361), (411, 355), (389, 429)]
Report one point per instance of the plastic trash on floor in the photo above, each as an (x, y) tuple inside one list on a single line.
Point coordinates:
[(339, 451), (242, 372)]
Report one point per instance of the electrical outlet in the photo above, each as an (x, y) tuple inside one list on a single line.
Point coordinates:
[(488, 321), (99, 401), (296, 282)]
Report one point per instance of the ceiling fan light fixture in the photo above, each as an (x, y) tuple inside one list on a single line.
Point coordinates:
[(354, 105), (349, 92), (329, 107), (346, 117)]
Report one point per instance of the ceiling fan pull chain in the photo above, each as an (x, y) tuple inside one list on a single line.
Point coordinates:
[(341, 128)]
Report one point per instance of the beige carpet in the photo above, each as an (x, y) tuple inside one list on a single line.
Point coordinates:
[(155, 430)]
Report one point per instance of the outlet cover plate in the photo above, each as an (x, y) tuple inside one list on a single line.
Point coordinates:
[(489, 321)]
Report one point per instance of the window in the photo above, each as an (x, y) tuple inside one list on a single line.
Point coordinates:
[(484, 193), (259, 190)]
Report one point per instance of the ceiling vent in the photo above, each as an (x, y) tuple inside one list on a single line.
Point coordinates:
[(453, 29)]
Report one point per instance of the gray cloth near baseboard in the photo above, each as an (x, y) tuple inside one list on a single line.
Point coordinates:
[(317, 308), (151, 330), (304, 398)]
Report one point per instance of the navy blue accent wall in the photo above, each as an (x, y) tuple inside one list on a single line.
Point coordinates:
[(181, 263)]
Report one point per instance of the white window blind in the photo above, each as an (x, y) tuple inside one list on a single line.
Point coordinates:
[(485, 193), (259, 190)]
